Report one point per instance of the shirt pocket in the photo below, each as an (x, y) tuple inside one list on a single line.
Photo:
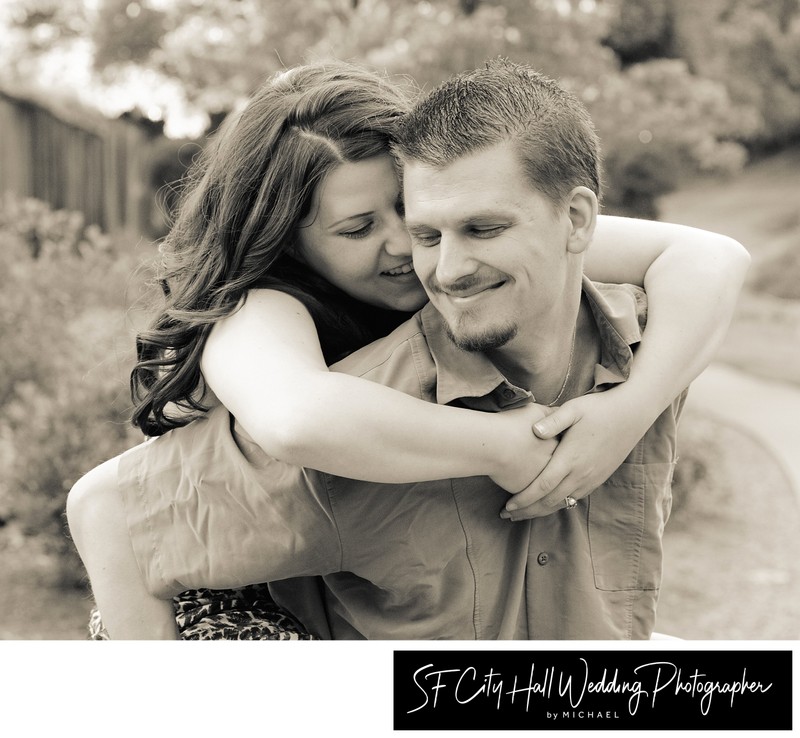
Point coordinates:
[(626, 523)]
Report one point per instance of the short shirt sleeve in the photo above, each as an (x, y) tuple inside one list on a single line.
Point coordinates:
[(201, 513)]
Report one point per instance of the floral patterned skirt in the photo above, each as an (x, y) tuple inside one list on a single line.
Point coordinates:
[(245, 614)]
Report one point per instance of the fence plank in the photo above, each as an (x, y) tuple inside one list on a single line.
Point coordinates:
[(75, 160)]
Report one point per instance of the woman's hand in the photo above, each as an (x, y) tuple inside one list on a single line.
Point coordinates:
[(599, 431), (524, 455)]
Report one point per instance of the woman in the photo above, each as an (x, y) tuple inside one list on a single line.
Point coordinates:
[(289, 252)]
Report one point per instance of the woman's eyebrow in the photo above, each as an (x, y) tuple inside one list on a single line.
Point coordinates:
[(350, 217)]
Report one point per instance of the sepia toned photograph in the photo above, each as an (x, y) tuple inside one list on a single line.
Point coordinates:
[(399, 321)]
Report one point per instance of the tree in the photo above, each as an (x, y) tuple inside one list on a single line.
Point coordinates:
[(636, 63), (751, 47), (641, 30)]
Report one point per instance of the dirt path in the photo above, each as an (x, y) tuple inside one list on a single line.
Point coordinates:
[(731, 549), (768, 410), (756, 208), (732, 563), (732, 552)]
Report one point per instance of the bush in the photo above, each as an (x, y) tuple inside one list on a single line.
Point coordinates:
[(658, 124), (67, 307), (657, 120)]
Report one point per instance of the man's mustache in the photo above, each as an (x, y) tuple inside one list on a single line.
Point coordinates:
[(466, 285)]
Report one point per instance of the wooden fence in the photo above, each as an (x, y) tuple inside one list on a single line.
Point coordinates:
[(77, 160)]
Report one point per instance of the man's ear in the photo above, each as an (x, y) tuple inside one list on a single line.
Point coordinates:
[(582, 209)]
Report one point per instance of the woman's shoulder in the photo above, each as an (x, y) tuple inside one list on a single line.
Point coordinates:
[(271, 298), (261, 312)]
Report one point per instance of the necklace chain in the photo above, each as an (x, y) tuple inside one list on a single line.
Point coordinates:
[(569, 368)]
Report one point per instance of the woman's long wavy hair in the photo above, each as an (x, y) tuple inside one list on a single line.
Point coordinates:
[(237, 223)]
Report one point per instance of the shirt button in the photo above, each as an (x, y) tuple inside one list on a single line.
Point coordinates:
[(543, 558), (509, 394)]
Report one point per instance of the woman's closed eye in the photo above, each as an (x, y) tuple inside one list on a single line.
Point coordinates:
[(361, 231)]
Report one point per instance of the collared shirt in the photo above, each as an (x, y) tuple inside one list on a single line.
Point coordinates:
[(206, 507)]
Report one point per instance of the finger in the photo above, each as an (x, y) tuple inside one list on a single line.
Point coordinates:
[(537, 510), (543, 486), (567, 488), (556, 422), (558, 498), (550, 503)]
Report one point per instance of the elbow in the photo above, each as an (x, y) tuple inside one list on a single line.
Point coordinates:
[(290, 439)]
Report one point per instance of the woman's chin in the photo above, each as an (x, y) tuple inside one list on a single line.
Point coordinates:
[(410, 303), (407, 300)]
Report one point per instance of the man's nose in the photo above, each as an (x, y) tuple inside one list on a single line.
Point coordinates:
[(454, 262), (398, 242)]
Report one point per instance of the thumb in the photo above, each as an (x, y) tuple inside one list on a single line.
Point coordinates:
[(556, 422)]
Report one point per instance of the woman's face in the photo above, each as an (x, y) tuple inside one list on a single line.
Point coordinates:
[(355, 236)]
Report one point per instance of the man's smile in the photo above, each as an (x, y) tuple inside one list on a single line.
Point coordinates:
[(469, 293)]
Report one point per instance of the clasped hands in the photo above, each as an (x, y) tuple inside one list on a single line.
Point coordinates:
[(572, 450)]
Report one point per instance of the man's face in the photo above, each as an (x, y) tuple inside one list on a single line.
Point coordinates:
[(490, 251)]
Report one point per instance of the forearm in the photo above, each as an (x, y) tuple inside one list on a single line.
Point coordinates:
[(97, 524), (355, 428), (265, 365)]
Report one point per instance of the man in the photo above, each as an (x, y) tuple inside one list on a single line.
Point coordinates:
[(500, 177)]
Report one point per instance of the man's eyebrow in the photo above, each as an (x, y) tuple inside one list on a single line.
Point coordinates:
[(485, 215), (418, 228)]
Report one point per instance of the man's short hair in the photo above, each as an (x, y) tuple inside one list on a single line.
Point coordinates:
[(503, 101)]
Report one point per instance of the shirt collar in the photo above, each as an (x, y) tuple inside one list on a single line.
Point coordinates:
[(466, 375), (618, 310), (620, 313)]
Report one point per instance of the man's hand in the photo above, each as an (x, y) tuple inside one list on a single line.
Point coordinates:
[(599, 431)]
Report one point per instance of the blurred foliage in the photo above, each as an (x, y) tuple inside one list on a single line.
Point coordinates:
[(169, 160), (675, 87), (778, 272), (65, 292), (751, 47), (640, 30), (658, 123), (46, 23)]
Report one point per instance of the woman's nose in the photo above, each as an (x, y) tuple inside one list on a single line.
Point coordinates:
[(398, 242)]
